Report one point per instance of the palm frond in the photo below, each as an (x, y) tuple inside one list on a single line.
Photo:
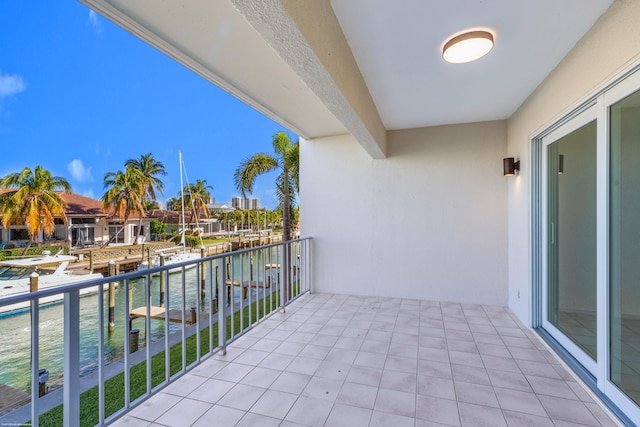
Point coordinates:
[(250, 168)]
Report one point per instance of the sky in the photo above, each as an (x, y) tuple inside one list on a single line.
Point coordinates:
[(79, 96)]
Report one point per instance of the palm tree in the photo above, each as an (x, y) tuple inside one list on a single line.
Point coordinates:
[(274, 218), (174, 204), (125, 191), (197, 195), (229, 218), (287, 160), (149, 169), (34, 202)]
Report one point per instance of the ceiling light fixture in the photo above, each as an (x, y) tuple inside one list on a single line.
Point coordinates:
[(467, 47)]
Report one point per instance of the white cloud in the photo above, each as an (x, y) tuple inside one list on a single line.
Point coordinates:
[(95, 21), (79, 172), (11, 84)]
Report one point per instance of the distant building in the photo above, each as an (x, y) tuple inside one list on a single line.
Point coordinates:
[(245, 203), (236, 202)]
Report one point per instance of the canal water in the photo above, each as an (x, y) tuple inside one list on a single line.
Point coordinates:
[(15, 348)]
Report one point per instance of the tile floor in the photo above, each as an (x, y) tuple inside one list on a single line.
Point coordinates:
[(336, 360)]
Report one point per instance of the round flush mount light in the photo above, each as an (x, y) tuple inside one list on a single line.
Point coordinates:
[(467, 47)]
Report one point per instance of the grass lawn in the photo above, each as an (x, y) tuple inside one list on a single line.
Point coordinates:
[(114, 387)]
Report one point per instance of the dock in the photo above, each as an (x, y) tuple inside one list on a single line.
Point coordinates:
[(246, 284), (11, 398), (158, 313)]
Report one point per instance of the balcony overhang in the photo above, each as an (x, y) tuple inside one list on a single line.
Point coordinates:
[(274, 57)]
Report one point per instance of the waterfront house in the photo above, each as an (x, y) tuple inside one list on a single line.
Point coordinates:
[(411, 148), (87, 226)]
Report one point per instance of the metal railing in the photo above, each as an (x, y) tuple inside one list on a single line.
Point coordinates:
[(135, 333)]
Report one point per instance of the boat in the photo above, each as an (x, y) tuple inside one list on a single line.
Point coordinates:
[(172, 259), (52, 270), (184, 255)]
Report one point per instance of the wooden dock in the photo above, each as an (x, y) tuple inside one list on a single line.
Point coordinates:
[(158, 313), (246, 284), (11, 398)]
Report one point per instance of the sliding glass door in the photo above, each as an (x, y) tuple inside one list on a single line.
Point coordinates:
[(624, 254), (571, 238), (586, 228)]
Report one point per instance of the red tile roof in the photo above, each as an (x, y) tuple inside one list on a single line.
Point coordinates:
[(81, 205), (78, 205)]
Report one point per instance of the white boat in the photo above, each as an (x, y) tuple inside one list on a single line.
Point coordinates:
[(172, 259), (52, 270)]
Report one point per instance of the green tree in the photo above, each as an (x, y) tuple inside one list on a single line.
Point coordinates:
[(150, 169), (229, 219), (287, 161), (31, 199), (125, 191), (156, 227), (174, 204), (196, 196)]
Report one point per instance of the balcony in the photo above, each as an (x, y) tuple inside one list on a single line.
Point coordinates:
[(334, 360)]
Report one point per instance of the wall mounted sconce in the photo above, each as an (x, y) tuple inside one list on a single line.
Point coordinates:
[(510, 166), (561, 164)]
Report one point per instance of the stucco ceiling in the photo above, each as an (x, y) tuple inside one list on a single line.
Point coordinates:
[(398, 46)]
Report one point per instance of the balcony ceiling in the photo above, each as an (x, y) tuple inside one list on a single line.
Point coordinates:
[(398, 50), (328, 67)]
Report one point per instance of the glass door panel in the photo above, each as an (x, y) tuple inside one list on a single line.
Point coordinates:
[(571, 294), (624, 253)]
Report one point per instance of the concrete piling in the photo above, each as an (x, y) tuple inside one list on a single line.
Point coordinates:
[(33, 282), (134, 340)]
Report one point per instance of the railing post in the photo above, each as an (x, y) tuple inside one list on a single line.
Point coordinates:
[(162, 275), (91, 261), (203, 272), (217, 282), (71, 389), (251, 266), (286, 274), (35, 350), (283, 273), (112, 297), (222, 316)]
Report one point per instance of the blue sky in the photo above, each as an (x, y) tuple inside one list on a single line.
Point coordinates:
[(80, 96)]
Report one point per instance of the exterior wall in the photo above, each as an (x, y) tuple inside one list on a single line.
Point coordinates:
[(609, 47), (428, 222)]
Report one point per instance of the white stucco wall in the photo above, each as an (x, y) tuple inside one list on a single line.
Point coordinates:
[(609, 47), (428, 222)]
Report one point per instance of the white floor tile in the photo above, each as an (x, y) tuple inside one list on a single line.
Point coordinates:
[(184, 413), (347, 360)]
